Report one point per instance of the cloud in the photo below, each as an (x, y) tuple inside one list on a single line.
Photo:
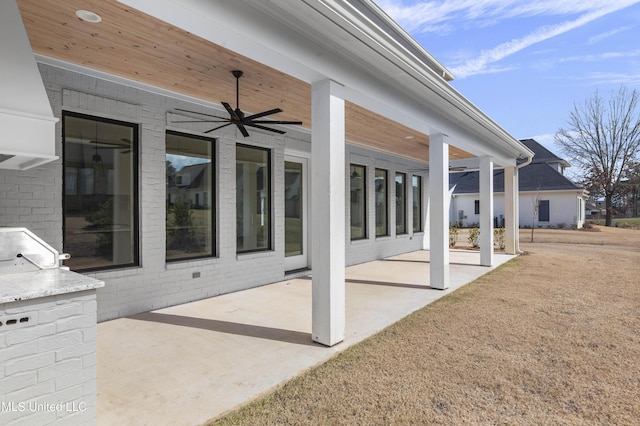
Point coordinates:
[(547, 140), (600, 56), (613, 78), (436, 15), (425, 16), (615, 60), (478, 65), (602, 36)]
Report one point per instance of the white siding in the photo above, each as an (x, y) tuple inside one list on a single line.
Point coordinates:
[(565, 208)]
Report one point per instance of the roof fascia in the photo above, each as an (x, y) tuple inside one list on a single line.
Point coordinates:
[(368, 23)]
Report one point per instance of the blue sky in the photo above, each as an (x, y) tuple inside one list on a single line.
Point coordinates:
[(525, 63)]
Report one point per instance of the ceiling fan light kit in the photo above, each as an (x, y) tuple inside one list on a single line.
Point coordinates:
[(238, 117)]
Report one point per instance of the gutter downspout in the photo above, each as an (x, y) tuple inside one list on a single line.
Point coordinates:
[(526, 163)]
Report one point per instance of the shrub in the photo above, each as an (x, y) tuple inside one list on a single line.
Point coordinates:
[(498, 238), (474, 237), (101, 220), (453, 234), (181, 232)]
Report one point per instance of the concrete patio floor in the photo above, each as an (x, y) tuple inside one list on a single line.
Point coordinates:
[(190, 363)]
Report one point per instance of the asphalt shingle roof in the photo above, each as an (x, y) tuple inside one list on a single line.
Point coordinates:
[(542, 154), (537, 176)]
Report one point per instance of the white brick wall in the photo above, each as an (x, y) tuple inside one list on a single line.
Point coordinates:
[(48, 360), (34, 199)]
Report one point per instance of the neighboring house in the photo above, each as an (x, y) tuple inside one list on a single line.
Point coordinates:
[(373, 103), (595, 209), (189, 185), (560, 202)]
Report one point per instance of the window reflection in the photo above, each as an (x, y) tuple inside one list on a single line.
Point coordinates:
[(401, 204), (253, 199), (382, 221), (358, 196), (189, 176), (417, 203), (100, 192)]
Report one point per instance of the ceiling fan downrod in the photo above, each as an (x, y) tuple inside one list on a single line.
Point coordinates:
[(237, 74)]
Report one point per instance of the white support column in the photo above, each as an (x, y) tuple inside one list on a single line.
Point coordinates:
[(426, 218), (486, 211), (516, 204), (510, 200), (328, 201), (438, 214)]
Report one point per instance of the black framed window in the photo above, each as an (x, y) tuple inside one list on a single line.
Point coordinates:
[(358, 201), (100, 192), (476, 206), (382, 203), (543, 211), (416, 184), (253, 198), (190, 195), (401, 204)]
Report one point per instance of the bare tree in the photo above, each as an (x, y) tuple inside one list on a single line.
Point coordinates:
[(632, 188), (602, 138)]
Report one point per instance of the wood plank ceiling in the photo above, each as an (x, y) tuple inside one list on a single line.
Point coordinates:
[(133, 45)]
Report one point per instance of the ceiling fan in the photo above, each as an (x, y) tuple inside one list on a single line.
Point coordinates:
[(238, 117)]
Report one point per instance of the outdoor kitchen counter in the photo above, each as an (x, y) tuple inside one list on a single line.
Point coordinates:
[(43, 283), (47, 334)]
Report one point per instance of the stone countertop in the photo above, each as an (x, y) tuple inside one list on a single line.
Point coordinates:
[(43, 283)]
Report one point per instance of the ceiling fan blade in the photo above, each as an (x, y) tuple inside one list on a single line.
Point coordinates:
[(263, 114), (200, 113), (219, 127), (275, 122), (257, 126), (242, 129), (107, 145), (223, 120), (232, 113)]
